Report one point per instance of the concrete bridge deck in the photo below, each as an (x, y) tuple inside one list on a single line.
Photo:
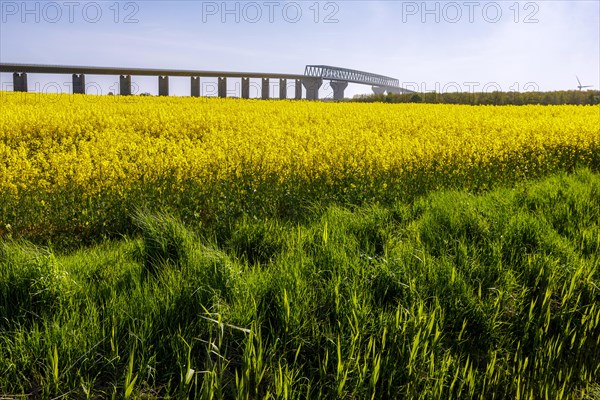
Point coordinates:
[(311, 81)]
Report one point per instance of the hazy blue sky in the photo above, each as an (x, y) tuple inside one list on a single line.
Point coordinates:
[(434, 45)]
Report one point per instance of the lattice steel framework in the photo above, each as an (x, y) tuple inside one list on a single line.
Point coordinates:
[(350, 75)]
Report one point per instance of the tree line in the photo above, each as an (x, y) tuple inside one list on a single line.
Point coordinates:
[(587, 97)]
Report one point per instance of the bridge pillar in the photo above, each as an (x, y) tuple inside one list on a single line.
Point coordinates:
[(265, 88), (20, 82), (78, 84), (312, 86), (195, 86), (283, 89), (222, 83), (298, 94), (163, 85), (245, 88), (125, 85), (378, 89), (338, 89)]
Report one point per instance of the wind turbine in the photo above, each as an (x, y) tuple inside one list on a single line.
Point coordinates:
[(580, 85)]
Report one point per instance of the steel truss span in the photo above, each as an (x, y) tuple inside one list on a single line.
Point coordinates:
[(350, 75)]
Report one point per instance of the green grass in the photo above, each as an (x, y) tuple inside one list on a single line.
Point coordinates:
[(454, 295)]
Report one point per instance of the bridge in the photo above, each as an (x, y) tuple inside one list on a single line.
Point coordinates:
[(311, 81)]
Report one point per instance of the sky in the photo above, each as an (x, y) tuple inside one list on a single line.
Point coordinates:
[(441, 46)]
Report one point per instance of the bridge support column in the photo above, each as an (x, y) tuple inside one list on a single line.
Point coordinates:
[(298, 93), (283, 89), (245, 88), (78, 84), (338, 89), (195, 86), (125, 85), (265, 88), (378, 89), (222, 84), (163, 85), (20, 82), (312, 86)]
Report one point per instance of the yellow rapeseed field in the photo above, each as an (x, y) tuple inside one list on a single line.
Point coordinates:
[(112, 146)]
